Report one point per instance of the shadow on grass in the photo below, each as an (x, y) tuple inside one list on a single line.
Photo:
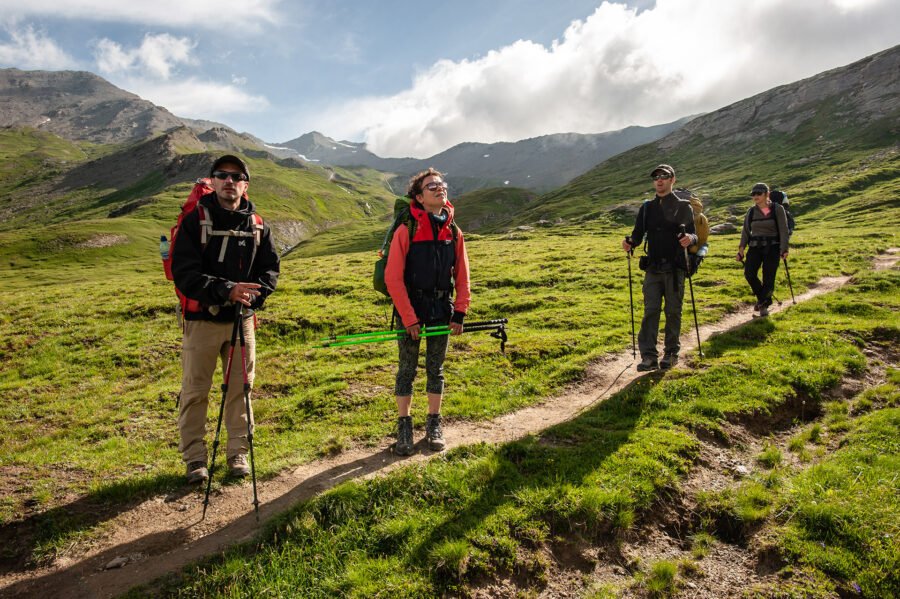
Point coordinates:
[(742, 338), (562, 457)]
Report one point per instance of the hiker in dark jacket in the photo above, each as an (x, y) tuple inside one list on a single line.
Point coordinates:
[(661, 219), (766, 235), (235, 264), (422, 274)]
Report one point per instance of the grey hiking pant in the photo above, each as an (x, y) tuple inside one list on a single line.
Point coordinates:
[(435, 353), (659, 286)]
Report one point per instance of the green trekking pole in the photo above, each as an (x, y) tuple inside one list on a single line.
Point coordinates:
[(687, 266), (787, 271)]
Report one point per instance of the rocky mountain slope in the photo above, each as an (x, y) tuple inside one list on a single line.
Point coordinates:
[(789, 136), (78, 106)]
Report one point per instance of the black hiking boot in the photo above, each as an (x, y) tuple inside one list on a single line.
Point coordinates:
[(404, 444), (196, 472), (647, 364), (434, 434), (668, 361)]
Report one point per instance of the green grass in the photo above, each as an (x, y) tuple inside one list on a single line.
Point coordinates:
[(485, 510), (90, 351)]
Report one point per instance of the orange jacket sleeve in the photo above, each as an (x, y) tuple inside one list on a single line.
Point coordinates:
[(461, 276), (393, 276)]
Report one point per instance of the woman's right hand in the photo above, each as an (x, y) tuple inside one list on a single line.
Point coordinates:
[(413, 331)]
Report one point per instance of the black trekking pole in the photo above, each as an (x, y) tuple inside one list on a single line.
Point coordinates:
[(247, 409), (687, 266), (787, 271), (212, 464), (237, 330), (631, 300)]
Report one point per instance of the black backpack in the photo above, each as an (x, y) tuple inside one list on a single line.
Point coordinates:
[(781, 198)]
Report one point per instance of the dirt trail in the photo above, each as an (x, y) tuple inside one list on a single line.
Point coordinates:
[(163, 534)]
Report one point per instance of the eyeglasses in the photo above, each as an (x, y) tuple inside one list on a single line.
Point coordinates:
[(236, 177), (435, 186), (660, 177)]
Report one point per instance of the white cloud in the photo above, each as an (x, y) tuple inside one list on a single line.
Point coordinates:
[(156, 56), (197, 98), (620, 67), (30, 49), (205, 14)]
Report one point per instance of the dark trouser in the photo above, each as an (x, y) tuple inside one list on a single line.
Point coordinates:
[(766, 256), (435, 353), (659, 285)]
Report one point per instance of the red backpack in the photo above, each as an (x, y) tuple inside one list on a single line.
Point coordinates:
[(201, 188)]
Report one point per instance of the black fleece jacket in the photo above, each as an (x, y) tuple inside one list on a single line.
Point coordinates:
[(200, 276)]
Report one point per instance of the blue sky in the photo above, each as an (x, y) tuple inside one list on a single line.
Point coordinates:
[(412, 78)]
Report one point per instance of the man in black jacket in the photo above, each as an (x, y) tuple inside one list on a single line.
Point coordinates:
[(224, 256), (661, 220)]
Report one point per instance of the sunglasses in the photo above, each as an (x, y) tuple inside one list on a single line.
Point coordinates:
[(236, 177), (758, 193), (660, 177), (435, 186)]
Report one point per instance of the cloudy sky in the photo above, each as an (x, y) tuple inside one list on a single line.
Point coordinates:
[(414, 77)]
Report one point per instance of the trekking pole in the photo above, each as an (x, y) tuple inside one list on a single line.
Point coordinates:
[(787, 271), (212, 465), (631, 301), (687, 266), (381, 336), (247, 408)]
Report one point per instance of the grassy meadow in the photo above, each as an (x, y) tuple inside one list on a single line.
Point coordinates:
[(481, 512), (90, 369)]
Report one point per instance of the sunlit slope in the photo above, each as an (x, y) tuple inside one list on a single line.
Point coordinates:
[(59, 204)]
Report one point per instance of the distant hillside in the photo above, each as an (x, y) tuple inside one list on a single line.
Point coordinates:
[(790, 136), (78, 106), (540, 163), (69, 192), (481, 209)]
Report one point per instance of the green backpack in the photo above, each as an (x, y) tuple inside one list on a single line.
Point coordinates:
[(401, 216)]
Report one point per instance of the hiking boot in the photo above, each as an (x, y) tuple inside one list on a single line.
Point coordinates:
[(404, 444), (764, 310), (647, 364), (668, 361), (196, 472), (434, 434), (757, 306), (238, 466)]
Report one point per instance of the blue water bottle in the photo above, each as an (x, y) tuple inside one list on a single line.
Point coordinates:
[(163, 247)]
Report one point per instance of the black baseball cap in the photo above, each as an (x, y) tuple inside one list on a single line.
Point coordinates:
[(230, 159), (759, 188), (664, 168)]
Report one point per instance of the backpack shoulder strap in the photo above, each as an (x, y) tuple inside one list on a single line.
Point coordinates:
[(258, 227), (206, 224), (748, 220)]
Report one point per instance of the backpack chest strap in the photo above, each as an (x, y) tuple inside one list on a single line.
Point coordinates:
[(226, 235)]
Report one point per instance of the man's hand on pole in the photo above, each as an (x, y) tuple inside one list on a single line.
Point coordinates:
[(244, 293)]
